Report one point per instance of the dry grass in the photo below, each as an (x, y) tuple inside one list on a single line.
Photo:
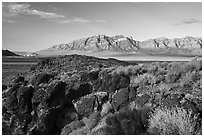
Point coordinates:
[(174, 121)]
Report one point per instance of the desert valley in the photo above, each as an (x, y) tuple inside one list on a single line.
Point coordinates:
[(85, 69)]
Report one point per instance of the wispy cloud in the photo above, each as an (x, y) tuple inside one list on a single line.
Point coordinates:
[(15, 9), (80, 20), (191, 21), (188, 21), (8, 20), (25, 10)]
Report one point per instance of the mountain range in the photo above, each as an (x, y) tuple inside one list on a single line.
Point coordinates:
[(121, 44)]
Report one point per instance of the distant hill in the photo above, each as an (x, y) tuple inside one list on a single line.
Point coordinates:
[(8, 53), (25, 54), (121, 44)]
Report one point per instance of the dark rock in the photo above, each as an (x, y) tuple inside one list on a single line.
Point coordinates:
[(41, 78), (191, 106), (102, 97), (13, 89), (47, 122), (56, 94), (45, 98), (85, 105), (90, 76), (199, 105), (4, 87), (38, 97), (19, 79), (140, 101), (124, 81), (5, 129), (113, 81), (69, 115), (90, 103), (11, 103), (18, 124), (24, 97), (74, 94), (172, 100), (132, 93), (120, 98)]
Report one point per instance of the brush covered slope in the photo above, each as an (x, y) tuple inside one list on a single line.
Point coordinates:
[(77, 95), (121, 44)]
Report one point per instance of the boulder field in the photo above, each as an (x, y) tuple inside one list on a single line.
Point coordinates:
[(77, 94)]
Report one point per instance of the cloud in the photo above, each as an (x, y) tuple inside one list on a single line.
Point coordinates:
[(8, 20), (25, 10), (11, 10), (188, 21), (80, 20), (191, 21)]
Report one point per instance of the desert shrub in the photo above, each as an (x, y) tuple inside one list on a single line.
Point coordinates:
[(89, 123), (127, 122), (182, 68), (192, 76), (153, 68), (174, 121), (173, 77), (71, 127), (197, 89), (193, 65), (142, 80), (130, 70), (191, 82)]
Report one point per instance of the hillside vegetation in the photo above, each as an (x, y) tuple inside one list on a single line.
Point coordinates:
[(82, 95)]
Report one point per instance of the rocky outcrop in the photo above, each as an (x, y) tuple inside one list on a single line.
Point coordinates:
[(85, 95), (86, 105)]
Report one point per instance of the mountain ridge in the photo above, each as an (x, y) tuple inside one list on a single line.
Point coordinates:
[(121, 43)]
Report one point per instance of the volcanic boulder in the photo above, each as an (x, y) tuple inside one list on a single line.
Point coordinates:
[(79, 91), (46, 125), (24, 97), (120, 98), (86, 105)]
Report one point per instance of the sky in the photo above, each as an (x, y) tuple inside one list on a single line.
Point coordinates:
[(39, 25)]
